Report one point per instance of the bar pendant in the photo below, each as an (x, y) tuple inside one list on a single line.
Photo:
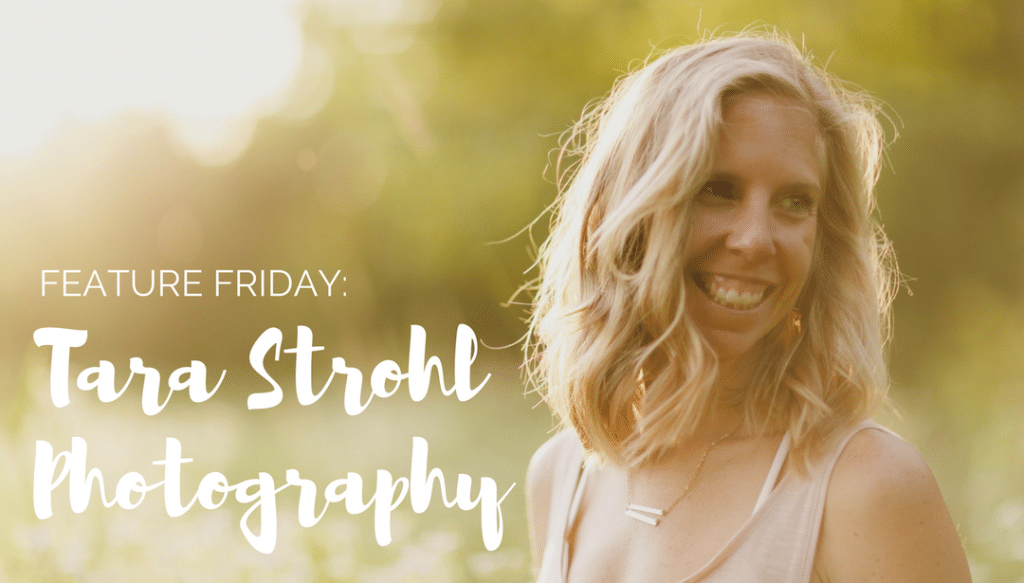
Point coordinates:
[(641, 517), (646, 509)]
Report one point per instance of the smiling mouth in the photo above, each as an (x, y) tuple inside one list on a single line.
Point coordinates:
[(732, 293)]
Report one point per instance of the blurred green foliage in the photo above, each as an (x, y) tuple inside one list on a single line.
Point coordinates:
[(433, 146)]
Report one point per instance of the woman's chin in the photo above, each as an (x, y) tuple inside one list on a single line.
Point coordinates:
[(730, 347)]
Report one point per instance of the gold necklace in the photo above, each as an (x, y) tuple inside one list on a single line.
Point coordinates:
[(647, 514)]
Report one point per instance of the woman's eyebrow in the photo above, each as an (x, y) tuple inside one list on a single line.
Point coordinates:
[(807, 185), (721, 175)]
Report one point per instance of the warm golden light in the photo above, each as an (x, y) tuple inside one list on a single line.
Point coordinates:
[(206, 69)]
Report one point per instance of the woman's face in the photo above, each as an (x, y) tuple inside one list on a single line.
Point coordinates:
[(754, 223)]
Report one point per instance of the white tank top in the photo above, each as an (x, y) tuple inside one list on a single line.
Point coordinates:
[(777, 543)]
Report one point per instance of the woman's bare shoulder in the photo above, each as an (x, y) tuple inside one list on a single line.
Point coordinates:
[(885, 519), (554, 453), (554, 456)]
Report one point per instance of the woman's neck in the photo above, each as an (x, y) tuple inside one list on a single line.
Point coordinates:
[(730, 393)]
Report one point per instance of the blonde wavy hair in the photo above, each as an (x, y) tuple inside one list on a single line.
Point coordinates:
[(610, 346)]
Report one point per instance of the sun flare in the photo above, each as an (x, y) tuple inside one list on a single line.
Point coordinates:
[(206, 69)]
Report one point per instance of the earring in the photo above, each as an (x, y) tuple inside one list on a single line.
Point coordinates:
[(791, 329)]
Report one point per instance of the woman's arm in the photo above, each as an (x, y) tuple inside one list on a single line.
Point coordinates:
[(885, 520)]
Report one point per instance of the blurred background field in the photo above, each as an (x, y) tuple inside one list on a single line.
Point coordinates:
[(404, 143)]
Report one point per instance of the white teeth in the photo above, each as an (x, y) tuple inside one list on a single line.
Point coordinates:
[(732, 298)]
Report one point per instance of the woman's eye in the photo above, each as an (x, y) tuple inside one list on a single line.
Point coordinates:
[(716, 189), (798, 204)]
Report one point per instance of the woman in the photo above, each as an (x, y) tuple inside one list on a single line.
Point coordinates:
[(709, 325)]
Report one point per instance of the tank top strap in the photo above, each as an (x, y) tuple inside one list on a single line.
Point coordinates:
[(830, 460), (773, 473), (819, 480), (574, 508), (568, 463), (779, 541)]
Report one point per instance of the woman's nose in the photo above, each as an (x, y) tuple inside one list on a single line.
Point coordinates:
[(752, 231)]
